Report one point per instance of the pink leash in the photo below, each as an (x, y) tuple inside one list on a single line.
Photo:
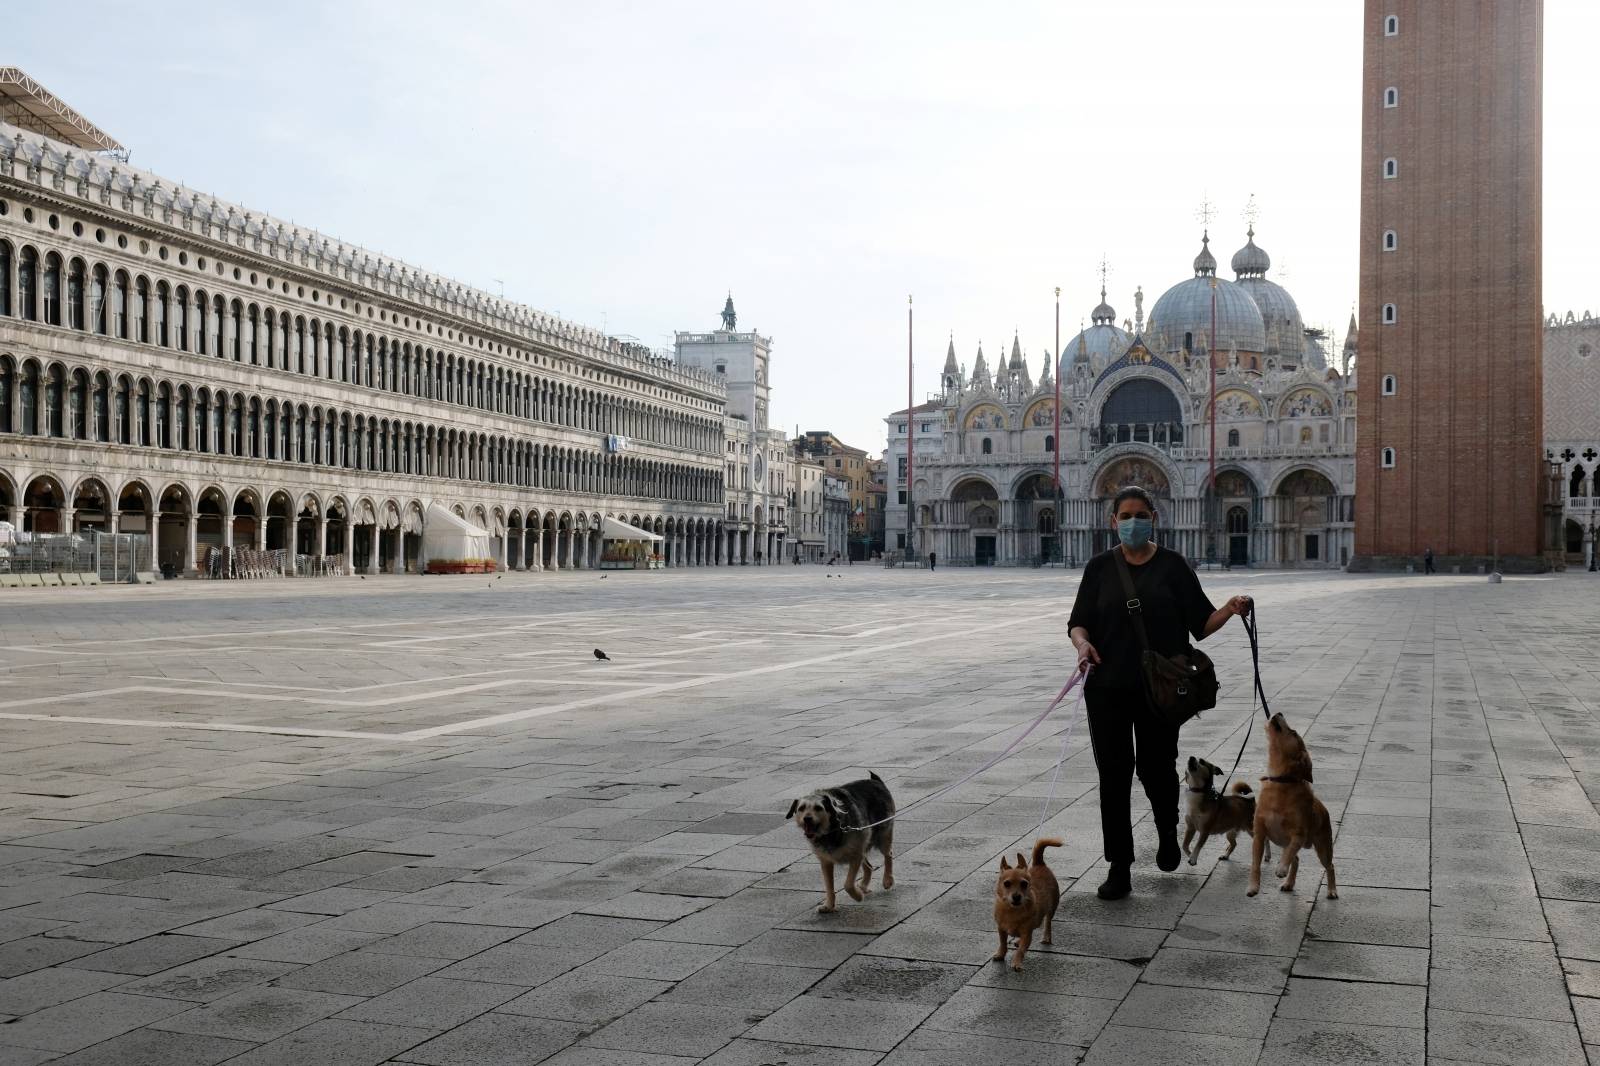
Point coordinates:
[(1077, 677)]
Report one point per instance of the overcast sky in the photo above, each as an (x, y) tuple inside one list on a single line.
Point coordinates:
[(626, 165)]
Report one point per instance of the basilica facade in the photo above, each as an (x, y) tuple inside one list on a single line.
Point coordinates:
[(1136, 409)]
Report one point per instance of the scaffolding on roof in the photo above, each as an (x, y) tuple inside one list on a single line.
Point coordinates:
[(26, 104)]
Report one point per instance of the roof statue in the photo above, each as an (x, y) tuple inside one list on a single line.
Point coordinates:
[(729, 317)]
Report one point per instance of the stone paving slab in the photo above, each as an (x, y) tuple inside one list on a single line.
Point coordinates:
[(414, 821)]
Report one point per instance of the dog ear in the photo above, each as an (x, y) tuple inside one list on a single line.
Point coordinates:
[(1003, 864), (1303, 764), (1022, 861), (827, 805), (792, 808), (1191, 762)]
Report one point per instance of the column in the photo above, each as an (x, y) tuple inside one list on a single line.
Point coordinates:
[(322, 535), (564, 550), (349, 545), (261, 534), (537, 551), (372, 549), (189, 544), (502, 539), (155, 542), (113, 521)]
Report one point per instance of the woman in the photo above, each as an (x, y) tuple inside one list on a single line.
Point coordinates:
[(1126, 733)]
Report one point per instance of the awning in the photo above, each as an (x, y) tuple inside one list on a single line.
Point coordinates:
[(611, 529)]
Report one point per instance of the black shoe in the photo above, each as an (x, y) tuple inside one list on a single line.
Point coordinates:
[(1168, 854), (1116, 883)]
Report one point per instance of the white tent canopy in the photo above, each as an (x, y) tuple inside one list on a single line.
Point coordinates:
[(611, 529), (449, 538)]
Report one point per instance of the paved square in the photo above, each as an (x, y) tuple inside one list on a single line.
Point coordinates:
[(416, 821)]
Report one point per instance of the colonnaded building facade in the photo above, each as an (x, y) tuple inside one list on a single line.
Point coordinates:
[(176, 365), (1136, 402)]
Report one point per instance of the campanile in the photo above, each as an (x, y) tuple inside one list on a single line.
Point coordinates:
[(1449, 404)]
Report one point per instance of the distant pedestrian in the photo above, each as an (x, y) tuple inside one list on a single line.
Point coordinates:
[(1427, 560), (933, 561)]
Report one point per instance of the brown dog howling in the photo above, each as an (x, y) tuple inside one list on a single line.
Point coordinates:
[(1288, 813), (1025, 896)]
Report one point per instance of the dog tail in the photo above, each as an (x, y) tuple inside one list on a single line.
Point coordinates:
[(1240, 789), (1039, 846)]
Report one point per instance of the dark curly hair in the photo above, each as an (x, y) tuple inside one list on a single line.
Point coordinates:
[(1133, 492)]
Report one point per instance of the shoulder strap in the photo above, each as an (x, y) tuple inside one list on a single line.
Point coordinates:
[(1135, 608)]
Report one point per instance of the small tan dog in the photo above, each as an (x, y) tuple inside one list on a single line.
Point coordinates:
[(1288, 813), (1025, 896)]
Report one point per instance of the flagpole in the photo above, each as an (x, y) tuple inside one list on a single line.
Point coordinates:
[(911, 429), (1211, 479), (1055, 358)]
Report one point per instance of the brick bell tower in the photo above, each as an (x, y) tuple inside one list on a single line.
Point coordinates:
[(1449, 423)]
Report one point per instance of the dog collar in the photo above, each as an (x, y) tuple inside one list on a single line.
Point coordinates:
[(1285, 779), (1204, 791)]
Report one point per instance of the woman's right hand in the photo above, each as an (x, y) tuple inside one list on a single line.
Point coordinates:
[(1087, 656)]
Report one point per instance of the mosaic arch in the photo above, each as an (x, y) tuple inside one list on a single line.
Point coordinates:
[(1132, 470), (1306, 403), (1042, 415), (1236, 405), (986, 416), (1234, 484)]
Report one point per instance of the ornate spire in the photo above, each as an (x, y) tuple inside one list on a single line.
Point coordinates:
[(950, 366), (1251, 261), (1016, 352), (730, 318), (1103, 314), (1205, 264), (980, 368)]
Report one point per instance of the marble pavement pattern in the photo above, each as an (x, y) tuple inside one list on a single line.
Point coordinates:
[(414, 821)]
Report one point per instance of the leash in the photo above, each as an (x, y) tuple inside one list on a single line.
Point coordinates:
[(1066, 738), (1250, 628), (1077, 677)]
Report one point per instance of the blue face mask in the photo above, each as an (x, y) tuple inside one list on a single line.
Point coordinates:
[(1135, 532)]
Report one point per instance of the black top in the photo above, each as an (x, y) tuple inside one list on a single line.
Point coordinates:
[(1173, 603)]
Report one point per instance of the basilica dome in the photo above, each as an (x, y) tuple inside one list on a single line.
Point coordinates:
[(1285, 332), (1099, 344), (1182, 317)]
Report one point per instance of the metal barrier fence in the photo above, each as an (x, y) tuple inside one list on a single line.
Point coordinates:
[(116, 557), (246, 564)]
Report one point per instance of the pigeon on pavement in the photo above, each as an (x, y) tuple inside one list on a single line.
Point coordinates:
[(598, 654)]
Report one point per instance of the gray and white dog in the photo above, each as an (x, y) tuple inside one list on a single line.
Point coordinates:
[(831, 819)]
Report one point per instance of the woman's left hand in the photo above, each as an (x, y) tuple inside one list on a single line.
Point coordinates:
[(1240, 605)]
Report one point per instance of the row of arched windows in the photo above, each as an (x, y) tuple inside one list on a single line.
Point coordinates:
[(114, 408), (66, 291)]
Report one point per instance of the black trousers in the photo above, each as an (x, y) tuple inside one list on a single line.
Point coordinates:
[(1128, 737)]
